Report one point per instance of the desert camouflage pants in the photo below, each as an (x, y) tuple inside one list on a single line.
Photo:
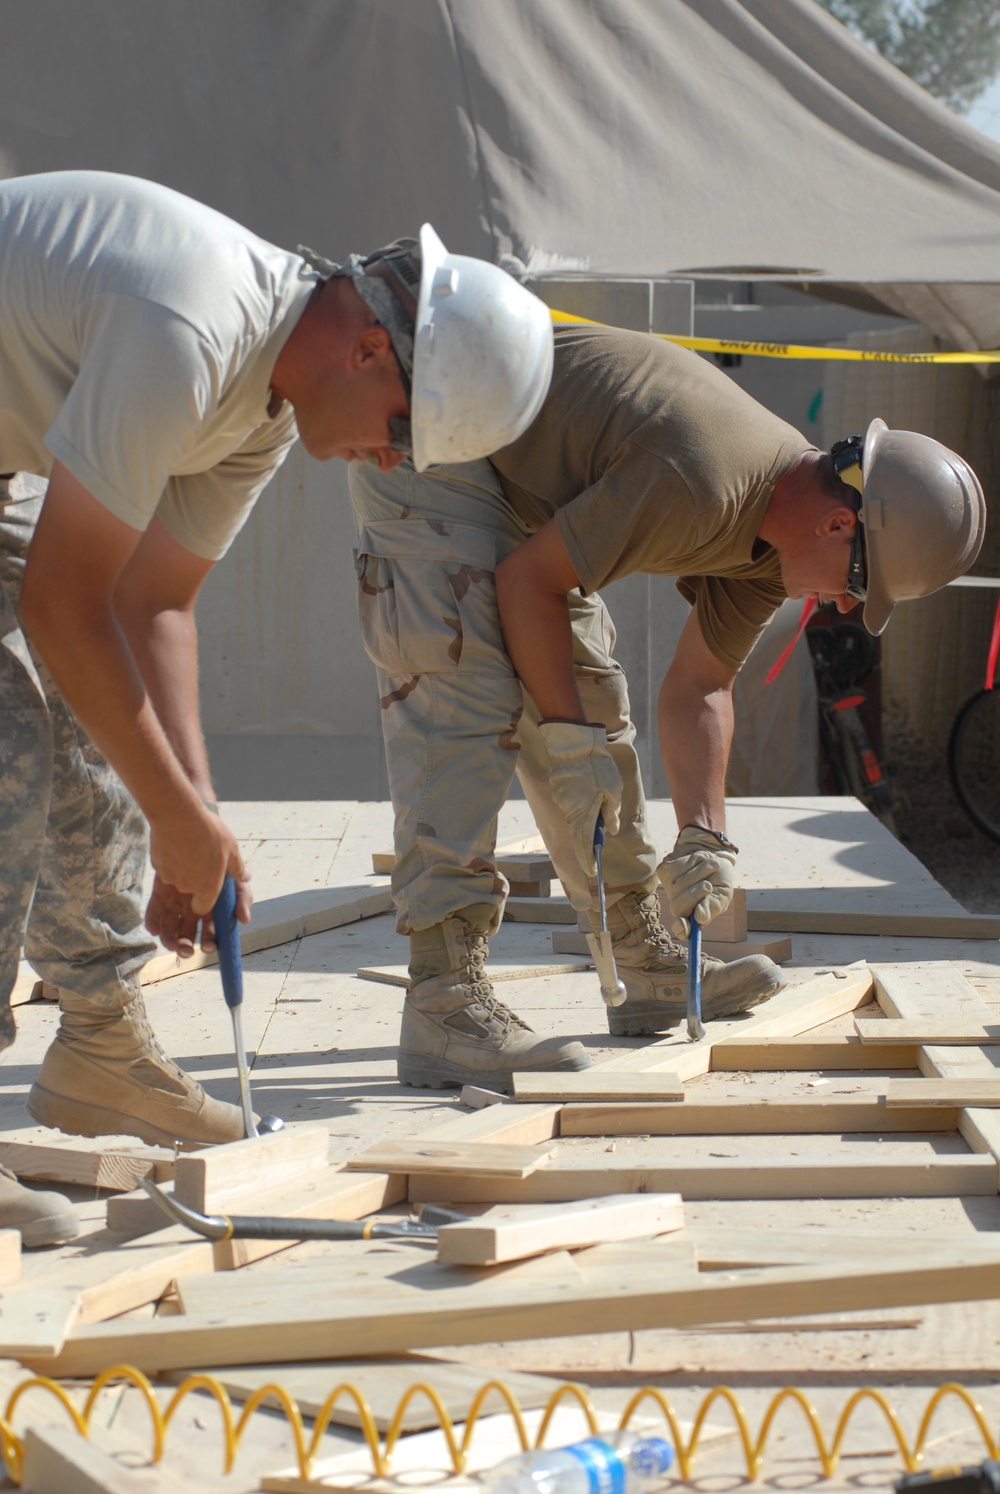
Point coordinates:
[(455, 721), (72, 839)]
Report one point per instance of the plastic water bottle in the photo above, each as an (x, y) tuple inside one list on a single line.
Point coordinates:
[(616, 1463)]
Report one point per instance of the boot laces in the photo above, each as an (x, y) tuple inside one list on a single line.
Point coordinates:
[(481, 987), (136, 1012), (653, 931)]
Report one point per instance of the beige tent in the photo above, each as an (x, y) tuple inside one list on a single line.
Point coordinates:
[(636, 137), (618, 138)]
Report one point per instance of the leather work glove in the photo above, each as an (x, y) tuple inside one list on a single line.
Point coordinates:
[(698, 877), (584, 783)]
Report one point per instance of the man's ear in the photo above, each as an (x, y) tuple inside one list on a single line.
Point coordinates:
[(372, 345), (841, 520)]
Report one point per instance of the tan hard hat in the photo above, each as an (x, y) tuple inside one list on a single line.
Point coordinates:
[(924, 515)]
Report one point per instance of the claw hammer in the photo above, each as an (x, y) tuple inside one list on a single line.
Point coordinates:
[(227, 941), (612, 987)]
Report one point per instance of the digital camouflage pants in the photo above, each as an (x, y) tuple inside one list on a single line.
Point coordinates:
[(455, 722), (72, 839)]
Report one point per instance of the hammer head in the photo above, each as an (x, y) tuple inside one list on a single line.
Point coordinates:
[(612, 989)]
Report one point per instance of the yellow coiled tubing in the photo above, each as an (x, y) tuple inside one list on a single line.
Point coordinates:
[(753, 1448)]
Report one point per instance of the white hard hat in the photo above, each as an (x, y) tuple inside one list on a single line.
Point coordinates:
[(474, 347), (923, 515), (482, 357)]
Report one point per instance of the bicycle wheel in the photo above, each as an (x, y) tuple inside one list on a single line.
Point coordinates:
[(974, 760)]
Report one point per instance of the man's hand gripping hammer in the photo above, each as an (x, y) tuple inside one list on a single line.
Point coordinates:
[(612, 989)]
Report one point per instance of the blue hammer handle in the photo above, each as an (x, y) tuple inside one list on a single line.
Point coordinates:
[(694, 1026), (228, 943)]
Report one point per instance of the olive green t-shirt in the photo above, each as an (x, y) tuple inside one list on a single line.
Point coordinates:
[(651, 459)]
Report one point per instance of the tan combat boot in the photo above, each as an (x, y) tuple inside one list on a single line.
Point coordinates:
[(106, 1075), (41, 1218), (455, 1031), (653, 966)]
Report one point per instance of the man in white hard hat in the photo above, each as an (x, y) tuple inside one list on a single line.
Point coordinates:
[(643, 457), (156, 363)]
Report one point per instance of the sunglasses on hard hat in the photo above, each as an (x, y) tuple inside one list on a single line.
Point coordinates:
[(847, 456)]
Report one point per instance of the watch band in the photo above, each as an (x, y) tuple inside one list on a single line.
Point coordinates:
[(720, 836)]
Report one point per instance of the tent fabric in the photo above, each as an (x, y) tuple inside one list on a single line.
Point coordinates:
[(617, 137)]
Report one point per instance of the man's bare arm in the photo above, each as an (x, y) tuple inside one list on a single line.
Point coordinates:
[(532, 586), (154, 602), (696, 729), (76, 560)]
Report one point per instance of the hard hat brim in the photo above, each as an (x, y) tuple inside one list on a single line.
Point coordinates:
[(878, 603)]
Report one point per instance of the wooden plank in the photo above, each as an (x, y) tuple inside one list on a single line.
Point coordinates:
[(777, 947), (211, 1180), (451, 1158), (539, 910), (35, 1322), (114, 1276), (476, 1097), (399, 975), (363, 1272), (57, 1460), (525, 1125), (935, 991), (753, 1116), (118, 1168), (921, 1031), (877, 925), (953, 1093), (593, 1084), (276, 920), (383, 1383), (723, 1178), (490, 1311), (511, 1233), (817, 1054), (10, 1257), (733, 1247), (728, 927), (795, 1010)]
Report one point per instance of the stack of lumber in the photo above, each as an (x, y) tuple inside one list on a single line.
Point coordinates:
[(566, 1244)]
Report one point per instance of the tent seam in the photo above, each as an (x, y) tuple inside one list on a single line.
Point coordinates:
[(480, 162)]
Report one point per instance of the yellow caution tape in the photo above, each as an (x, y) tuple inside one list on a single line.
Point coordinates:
[(829, 1453), (798, 350)]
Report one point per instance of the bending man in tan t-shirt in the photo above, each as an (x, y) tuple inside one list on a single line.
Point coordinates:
[(643, 458)]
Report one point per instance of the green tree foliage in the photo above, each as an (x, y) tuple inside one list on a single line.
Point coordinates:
[(949, 47)]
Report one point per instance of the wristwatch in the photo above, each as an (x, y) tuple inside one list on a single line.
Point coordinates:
[(720, 836)]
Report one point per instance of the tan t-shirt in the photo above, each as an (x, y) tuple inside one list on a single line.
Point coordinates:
[(651, 459), (138, 334)]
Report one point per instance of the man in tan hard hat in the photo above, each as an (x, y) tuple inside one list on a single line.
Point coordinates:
[(156, 363), (644, 457)]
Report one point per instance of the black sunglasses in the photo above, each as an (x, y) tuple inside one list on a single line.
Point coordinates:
[(847, 455)]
